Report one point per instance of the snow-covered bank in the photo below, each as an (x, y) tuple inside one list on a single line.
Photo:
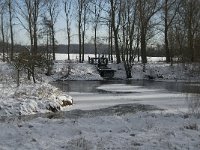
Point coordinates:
[(160, 71), (70, 70), (28, 98), (153, 70)]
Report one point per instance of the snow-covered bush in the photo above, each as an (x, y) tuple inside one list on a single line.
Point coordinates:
[(39, 91), (37, 98)]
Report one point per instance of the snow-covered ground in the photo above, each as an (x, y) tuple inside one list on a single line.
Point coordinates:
[(75, 57), (28, 98), (125, 118), (142, 131), (158, 71)]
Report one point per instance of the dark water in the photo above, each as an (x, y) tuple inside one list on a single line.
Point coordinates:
[(90, 86)]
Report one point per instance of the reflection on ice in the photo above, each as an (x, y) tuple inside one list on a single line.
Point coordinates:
[(125, 88)]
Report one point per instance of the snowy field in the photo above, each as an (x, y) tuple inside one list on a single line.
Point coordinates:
[(76, 57), (121, 117)]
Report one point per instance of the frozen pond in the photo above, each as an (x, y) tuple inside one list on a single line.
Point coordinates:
[(90, 95), (91, 86)]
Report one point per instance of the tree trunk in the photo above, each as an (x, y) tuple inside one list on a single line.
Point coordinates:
[(167, 46), (137, 45), (83, 45), (143, 46), (95, 41), (115, 31), (11, 31), (53, 42), (3, 36), (128, 68), (111, 42), (68, 45), (79, 36), (116, 46), (35, 40), (166, 33)]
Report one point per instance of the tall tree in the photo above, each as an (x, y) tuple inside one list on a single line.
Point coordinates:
[(80, 11), (146, 11), (68, 17), (96, 9), (191, 14), (115, 15), (30, 12), (2, 12), (84, 21), (10, 10), (110, 41), (170, 9), (82, 6), (128, 26), (52, 15)]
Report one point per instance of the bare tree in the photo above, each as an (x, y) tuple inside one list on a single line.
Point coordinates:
[(68, 17), (128, 13), (115, 15), (2, 11), (146, 11), (48, 33), (170, 9), (96, 9), (191, 14), (110, 40), (52, 15), (10, 10), (84, 21), (30, 11), (82, 6), (80, 11)]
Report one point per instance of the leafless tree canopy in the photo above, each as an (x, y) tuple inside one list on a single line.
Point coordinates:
[(132, 28)]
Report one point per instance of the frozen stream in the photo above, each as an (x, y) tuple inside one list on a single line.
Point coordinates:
[(90, 95)]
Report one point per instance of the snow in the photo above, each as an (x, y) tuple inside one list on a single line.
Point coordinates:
[(28, 98), (142, 130), (75, 71), (159, 71), (120, 116)]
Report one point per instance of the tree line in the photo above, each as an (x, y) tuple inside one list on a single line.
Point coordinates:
[(131, 27)]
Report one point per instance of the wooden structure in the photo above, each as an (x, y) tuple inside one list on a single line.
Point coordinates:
[(102, 67)]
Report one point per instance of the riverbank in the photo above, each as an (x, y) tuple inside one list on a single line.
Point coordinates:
[(122, 117), (158, 71), (28, 98)]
